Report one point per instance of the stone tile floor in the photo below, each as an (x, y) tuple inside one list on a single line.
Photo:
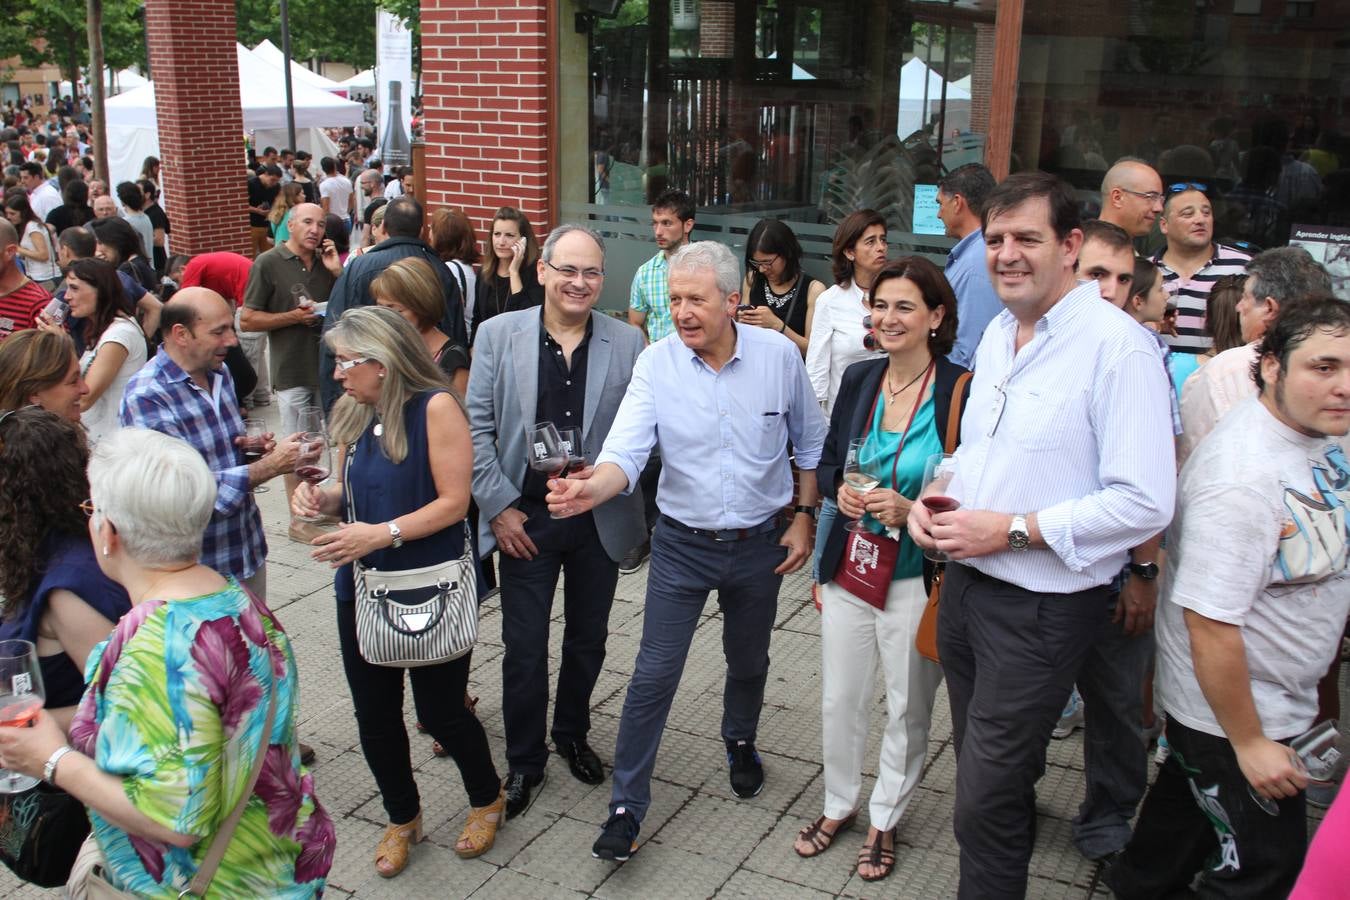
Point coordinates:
[(698, 841)]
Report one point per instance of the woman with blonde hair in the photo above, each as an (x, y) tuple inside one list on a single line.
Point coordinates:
[(410, 288), (40, 368), (291, 196), (407, 463)]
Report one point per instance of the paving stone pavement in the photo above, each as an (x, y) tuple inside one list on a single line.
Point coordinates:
[(698, 840)]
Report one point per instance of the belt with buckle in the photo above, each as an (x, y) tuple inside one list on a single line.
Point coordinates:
[(727, 535)]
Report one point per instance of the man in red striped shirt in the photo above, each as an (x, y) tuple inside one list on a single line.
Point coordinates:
[(21, 298)]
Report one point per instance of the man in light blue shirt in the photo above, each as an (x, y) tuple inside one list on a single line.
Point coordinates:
[(721, 403), (960, 199)]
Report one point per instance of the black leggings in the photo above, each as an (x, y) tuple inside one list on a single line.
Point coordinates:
[(438, 694)]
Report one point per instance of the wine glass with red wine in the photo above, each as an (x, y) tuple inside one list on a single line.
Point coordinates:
[(254, 445), (576, 454), (314, 463), (937, 478), (21, 696), (547, 453)]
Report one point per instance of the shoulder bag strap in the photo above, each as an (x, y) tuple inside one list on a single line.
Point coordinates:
[(216, 852), (954, 410)]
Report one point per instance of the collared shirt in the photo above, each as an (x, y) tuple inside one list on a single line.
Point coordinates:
[(723, 435), (1211, 391), (650, 295), (294, 349), (836, 340), (562, 393), (977, 302), (162, 397), (1191, 295), (1075, 428)]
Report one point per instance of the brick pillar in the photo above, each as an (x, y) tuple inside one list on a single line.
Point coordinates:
[(485, 93), (201, 125)]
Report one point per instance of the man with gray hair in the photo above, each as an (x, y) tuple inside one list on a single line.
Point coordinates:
[(563, 363), (721, 404), (1276, 279)]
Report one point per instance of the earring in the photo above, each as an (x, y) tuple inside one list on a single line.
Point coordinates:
[(381, 374), (933, 333), (105, 549)]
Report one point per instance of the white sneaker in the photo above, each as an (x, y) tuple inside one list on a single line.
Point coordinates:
[(1071, 718)]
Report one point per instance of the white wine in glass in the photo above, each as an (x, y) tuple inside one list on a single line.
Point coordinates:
[(862, 478)]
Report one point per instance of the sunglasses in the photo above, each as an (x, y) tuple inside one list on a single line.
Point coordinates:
[(1180, 186)]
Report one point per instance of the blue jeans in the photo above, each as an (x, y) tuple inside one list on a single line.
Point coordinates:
[(685, 568), (829, 510)]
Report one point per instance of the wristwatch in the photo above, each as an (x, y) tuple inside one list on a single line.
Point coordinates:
[(1147, 571), (1019, 538), (396, 534), (809, 510)]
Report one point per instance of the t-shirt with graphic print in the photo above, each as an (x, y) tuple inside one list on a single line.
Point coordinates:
[(1259, 541)]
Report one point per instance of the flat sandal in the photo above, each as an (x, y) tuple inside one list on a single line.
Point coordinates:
[(877, 856), (820, 839)]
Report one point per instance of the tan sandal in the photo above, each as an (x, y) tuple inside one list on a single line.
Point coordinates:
[(393, 847), (480, 830)]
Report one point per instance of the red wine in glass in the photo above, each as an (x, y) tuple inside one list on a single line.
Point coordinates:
[(311, 473), (253, 447), (940, 504)]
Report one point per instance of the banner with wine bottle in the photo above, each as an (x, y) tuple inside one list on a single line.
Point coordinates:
[(393, 89)]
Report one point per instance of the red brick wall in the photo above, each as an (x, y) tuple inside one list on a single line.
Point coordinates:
[(485, 94), (201, 125)]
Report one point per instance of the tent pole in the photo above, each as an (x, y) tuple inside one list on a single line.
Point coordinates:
[(286, 68)]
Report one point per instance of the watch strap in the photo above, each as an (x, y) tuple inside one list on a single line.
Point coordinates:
[(802, 508)]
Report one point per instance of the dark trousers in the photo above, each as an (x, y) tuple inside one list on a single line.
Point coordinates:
[(438, 694), (1115, 758), (1010, 656), (1244, 851), (684, 569), (571, 547)]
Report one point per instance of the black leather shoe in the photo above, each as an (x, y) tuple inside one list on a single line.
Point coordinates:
[(633, 559), (520, 788), (583, 762)]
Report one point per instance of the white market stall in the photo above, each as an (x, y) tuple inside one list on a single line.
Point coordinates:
[(271, 54)]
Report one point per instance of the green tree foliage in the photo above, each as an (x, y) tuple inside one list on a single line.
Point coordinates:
[(53, 33), (333, 30)]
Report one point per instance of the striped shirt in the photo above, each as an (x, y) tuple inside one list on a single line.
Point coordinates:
[(1075, 428), (650, 295), (164, 398), (1191, 295), (20, 307)]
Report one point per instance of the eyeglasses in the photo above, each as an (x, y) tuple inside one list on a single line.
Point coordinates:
[(87, 507), (571, 272), (1150, 196), (759, 265), (1187, 186), (347, 364)]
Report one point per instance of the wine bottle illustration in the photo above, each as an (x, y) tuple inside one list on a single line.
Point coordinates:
[(395, 146)]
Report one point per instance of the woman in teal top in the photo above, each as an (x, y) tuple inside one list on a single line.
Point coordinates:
[(899, 406)]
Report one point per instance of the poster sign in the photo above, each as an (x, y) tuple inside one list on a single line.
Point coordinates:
[(1329, 245), (393, 89), (926, 219)]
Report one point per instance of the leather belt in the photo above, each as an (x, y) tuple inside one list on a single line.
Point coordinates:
[(725, 536)]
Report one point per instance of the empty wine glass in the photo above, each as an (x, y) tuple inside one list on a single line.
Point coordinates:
[(254, 445), (937, 479), (21, 696), (314, 463), (311, 419), (859, 476)]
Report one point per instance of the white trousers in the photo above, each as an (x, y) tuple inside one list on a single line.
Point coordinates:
[(254, 345), (853, 635)]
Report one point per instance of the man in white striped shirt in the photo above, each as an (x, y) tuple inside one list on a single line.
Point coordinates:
[(1063, 469)]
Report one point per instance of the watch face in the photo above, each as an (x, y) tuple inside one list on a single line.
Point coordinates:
[(1019, 540)]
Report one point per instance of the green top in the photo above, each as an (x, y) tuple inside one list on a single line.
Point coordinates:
[(294, 350), (877, 455)]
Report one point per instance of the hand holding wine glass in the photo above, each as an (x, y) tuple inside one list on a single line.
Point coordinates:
[(21, 699), (860, 476), (547, 451), (314, 464), (937, 478)]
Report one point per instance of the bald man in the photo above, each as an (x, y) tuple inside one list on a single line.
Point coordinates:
[(105, 207), (21, 298), (1132, 196), (284, 286), (187, 392)]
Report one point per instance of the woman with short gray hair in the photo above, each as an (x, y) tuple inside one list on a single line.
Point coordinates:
[(164, 743)]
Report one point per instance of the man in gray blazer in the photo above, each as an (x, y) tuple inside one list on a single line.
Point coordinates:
[(567, 364)]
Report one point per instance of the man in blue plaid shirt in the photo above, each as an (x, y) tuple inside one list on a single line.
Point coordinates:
[(187, 392)]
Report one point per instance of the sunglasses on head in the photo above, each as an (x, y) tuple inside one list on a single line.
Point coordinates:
[(1180, 186)]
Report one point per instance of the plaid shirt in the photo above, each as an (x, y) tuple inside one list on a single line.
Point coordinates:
[(651, 296), (162, 397)]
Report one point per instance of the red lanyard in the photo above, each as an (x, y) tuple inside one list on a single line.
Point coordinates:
[(918, 401)]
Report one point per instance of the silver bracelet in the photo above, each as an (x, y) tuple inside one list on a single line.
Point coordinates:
[(49, 770)]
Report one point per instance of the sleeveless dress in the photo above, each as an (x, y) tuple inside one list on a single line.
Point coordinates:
[(381, 490)]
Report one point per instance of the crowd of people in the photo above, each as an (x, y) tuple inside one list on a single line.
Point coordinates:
[(1136, 465)]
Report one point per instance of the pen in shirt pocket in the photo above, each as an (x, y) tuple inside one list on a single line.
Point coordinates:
[(771, 414)]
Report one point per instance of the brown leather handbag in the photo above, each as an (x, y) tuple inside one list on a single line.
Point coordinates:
[(925, 641)]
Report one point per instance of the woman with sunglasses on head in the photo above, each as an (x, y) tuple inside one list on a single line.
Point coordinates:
[(54, 594), (40, 368), (115, 344), (782, 297), (900, 405)]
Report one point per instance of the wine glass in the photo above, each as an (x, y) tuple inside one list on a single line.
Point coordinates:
[(548, 455), (314, 463), (21, 696), (254, 445), (311, 419), (859, 476), (576, 453), (937, 478)]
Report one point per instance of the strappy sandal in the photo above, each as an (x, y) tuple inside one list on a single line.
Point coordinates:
[(480, 830), (878, 857), (437, 748), (820, 839), (393, 847)]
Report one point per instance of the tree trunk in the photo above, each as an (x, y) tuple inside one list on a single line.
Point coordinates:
[(99, 130)]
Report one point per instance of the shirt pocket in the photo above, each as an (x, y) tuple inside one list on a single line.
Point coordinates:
[(1038, 421)]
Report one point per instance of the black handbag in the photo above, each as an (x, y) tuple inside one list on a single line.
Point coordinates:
[(41, 831)]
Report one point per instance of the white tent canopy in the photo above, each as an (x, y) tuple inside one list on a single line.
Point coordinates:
[(271, 54), (916, 80), (361, 81)]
